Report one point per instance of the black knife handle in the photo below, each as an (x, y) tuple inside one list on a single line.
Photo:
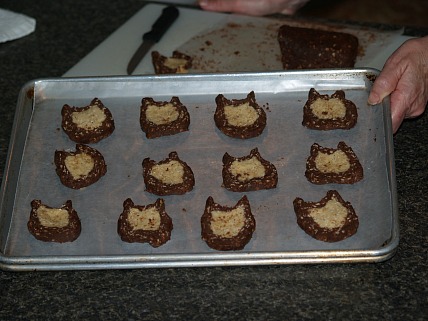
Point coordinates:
[(168, 16)]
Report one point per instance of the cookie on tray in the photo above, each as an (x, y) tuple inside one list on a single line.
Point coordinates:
[(227, 228), (330, 220), (163, 118), (170, 176), (88, 124), (248, 173), (49, 224), (178, 63), (333, 165), (307, 48), (239, 118), (145, 224), (324, 112), (80, 168)]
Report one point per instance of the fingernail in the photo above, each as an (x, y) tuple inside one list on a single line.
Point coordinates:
[(203, 3), (373, 99)]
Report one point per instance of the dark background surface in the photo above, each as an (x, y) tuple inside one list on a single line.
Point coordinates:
[(393, 290), (396, 12)]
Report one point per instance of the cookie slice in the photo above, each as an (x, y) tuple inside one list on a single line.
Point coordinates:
[(170, 176), (81, 168), (162, 118), (308, 48), (179, 63), (49, 224), (88, 124), (324, 112), (145, 224), (239, 118), (227, 228), (248, 173), (329, 165), (330, 220)]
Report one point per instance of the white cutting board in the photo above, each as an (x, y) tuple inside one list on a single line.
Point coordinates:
[(111, 57)]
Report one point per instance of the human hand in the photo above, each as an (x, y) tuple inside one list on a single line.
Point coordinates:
[(253, 7), (405, 77)]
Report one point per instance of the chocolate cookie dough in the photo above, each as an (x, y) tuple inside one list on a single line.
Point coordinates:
[(329, 165), (170, 176), (240, 118), (88, 124), (49, 224), (145, 224), (248, 173), (227, 228), (330, 220), (81, 168), (162, 118)]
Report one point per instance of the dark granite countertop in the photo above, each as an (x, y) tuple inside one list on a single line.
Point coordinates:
[(392, 290)]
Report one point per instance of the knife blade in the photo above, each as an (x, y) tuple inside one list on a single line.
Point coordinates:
[(161, 25)]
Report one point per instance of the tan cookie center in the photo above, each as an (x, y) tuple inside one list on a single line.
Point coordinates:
[(161, 115), (337, 162), (176, 63), (169, 173), (79, 165), (228, 223), (89, 119), (328, 108), (240, 115), (246, 170), (332, 215), (52, 217), (148, 219)]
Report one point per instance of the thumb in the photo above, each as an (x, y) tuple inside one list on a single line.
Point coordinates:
[(384, 84)]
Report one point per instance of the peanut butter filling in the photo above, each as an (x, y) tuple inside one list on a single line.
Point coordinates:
[(176, 63), (328, 108), (228, 223), (241, 115), (89, 119), (245, 170), (337, 162), (332, 215), (161, 115), (52, 217), (79, 165), (148, 219), (169, 173)]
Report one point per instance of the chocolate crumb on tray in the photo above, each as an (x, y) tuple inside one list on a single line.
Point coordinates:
[(248, 173), (163, 118), (330, 220), (227, 228), (170, 176), (88, 124), (333, 165), (49, 224), (145, 224), (324, 112), (80, 168), (240, 118)]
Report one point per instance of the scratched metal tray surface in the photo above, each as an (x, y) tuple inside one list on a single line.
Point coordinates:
[(30, 172)]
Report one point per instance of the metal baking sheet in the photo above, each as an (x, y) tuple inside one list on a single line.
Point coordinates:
[(30, 172)]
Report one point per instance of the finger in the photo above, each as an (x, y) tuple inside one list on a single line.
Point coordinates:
[(253, 7), (219, 5), (398, 110), (385, 83)]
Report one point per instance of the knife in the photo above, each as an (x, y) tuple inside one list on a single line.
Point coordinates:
[(168, 16)]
